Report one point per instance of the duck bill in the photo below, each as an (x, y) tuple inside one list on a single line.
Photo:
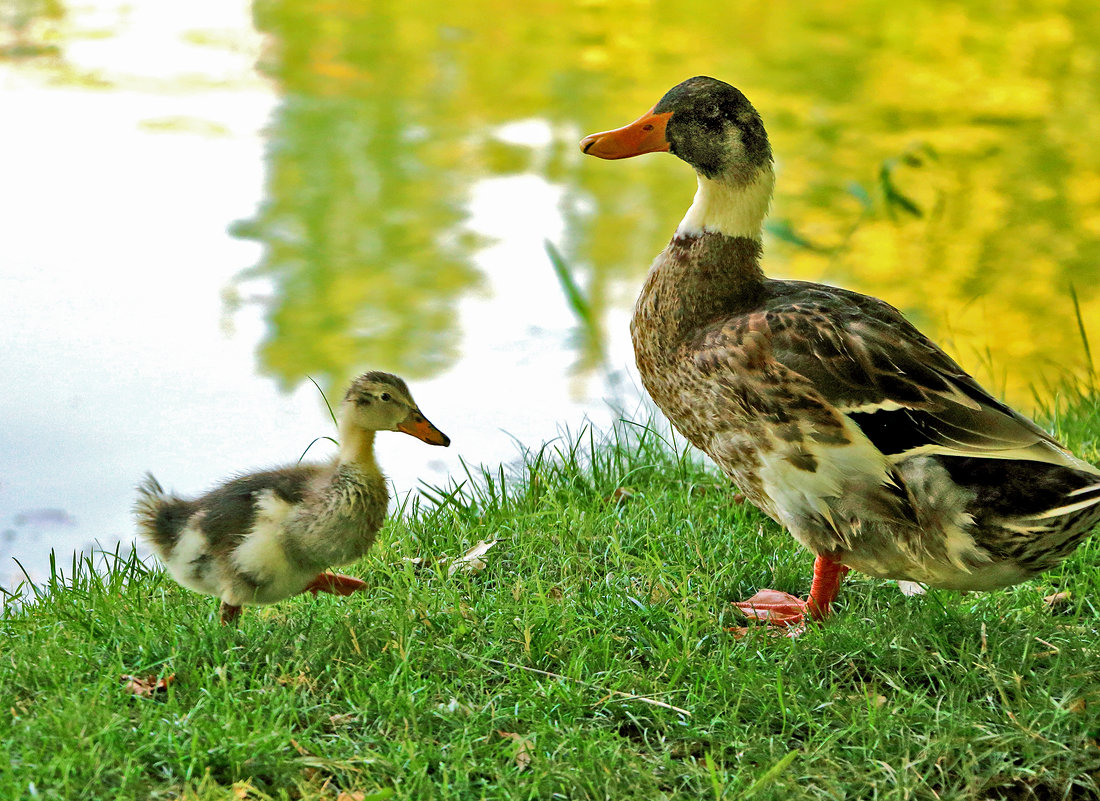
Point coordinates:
[(645, 135), (419, 426)]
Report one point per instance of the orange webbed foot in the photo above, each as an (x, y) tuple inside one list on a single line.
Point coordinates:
[(335, 583), (775, 607), (784, 614), (783, 610)]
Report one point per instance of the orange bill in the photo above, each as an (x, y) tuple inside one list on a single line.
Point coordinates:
[(418, 426), (645, 135)]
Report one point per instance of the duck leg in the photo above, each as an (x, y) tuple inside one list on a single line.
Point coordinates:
[(229, 613), (335, 583), (782, 609)]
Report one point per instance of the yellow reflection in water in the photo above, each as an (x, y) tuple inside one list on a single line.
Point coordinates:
[(942, 156)]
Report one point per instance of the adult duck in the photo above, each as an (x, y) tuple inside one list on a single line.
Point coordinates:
[(827, 408), (265, 536)]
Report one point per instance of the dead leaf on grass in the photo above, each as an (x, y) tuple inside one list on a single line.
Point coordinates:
[(1077, 706), (876, 701), (555, 593), (301, 680), (1058, 600), (466, 611), (655, 591), (524, 748), (343, 719), (620, 496), (471, 561), (145, 686)]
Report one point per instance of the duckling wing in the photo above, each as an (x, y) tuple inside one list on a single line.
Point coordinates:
[(861, 357), (229, 511)]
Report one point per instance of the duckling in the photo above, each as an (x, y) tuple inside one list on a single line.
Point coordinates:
[(827, 408), (264, 536)]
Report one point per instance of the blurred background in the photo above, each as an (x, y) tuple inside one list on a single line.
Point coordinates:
[(204, 204)]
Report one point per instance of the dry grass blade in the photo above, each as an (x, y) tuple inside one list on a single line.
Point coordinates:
[(607, 693)]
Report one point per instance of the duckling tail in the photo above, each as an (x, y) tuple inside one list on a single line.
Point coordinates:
[(160, 517)]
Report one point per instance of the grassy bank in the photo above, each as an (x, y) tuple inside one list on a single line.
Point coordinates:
[(587, 660)]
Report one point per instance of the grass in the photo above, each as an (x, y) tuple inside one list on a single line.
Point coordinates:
[(608, 590)]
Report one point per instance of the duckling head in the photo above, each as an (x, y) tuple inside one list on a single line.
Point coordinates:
[(378, 401), (714, 128)]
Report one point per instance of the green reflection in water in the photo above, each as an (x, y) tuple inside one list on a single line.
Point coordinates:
[(939, 155), (25, 28), (362, 219)]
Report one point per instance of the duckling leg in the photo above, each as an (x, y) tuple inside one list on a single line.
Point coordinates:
[(336, 583), (230, 613), (782, 609)]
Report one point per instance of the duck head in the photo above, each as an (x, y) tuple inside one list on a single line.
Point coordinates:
[(378, 401), (714, 128)]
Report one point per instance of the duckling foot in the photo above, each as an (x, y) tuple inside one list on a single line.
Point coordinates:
[(335, 583), (229, 613), (782, 609)]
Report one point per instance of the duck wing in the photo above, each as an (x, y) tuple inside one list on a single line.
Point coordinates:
[(861, 357)]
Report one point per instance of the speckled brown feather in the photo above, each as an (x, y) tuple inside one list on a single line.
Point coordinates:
[(829, 410)]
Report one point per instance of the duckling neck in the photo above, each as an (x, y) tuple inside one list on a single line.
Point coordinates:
[(729, 205), (357, 448)]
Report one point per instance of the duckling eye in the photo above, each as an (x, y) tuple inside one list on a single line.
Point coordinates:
[(385, 397), (647, 127)]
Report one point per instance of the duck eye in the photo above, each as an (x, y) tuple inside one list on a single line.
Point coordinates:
[(647, 127), (385, 396)]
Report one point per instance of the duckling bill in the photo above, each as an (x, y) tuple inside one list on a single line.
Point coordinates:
[(827, 408), (265, 536)]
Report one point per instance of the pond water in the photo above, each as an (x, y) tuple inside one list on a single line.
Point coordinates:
[(204, 204)]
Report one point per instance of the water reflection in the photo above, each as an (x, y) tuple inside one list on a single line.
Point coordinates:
[(24, 28), (938, 157), (362, 224)]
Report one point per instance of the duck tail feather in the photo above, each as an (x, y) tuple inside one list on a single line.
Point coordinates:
[(158, 515), (1075, 501)]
